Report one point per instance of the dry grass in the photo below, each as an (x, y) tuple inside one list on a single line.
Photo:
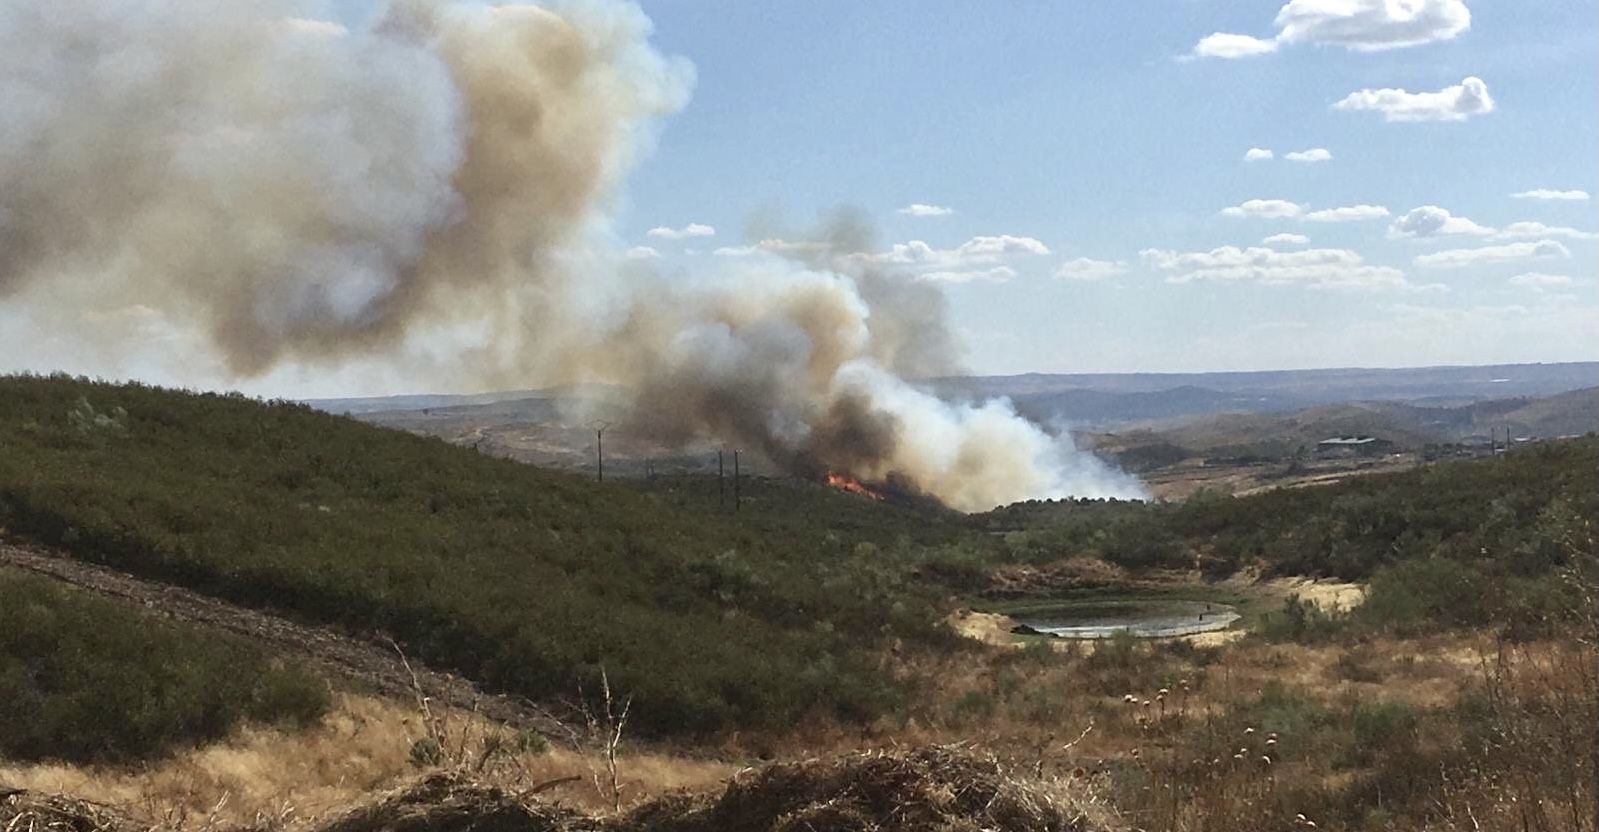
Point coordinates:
[(263, 776), (1454, 731), (945, 788), (1445, 731)]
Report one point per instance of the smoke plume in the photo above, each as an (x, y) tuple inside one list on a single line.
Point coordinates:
[(301, 192)]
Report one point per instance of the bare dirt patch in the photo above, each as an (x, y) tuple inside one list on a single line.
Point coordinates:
[(1330, 595), (986, 627)]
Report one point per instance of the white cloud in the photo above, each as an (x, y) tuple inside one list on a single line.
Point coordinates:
[(1524, 230), (1548, 194), (1318, 267), (1467, 98), (1314, 154), (1224, 45), (1432, 221), (1372, 25), (771, 246), (1458, 257), (996, 274), (1348, 213), (1286, 240), (1085, 268), (642, 253), (1257, 154), (977, 250), (1358, 25), (1540, 280), (315, 27), (1000, 246), (977, 259), (693, 229), (1280, 209), (1272, 209), (922, 209)]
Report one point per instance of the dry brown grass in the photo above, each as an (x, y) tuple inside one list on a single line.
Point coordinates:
[(286, 778), (1170, 758)]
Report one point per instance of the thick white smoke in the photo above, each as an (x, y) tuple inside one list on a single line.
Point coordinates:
[(300, 192)]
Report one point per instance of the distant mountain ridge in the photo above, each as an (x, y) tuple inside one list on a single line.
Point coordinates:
[(1106, 400), (1109, 399), (1404, 426), (1343, 383)]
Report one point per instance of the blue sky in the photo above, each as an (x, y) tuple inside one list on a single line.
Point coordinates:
[(1164, 185), (1094, 130)]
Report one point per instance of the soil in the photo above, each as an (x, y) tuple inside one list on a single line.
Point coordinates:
[(368, 663)]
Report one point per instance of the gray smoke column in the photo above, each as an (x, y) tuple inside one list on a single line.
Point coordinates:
[(299, 192)]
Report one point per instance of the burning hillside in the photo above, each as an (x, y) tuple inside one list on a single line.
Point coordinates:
[(845, 482)]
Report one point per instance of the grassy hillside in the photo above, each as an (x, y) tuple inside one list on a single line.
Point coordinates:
[(1407, 426), (1458, 542), (86, 679), (1305, 428), (1563, 415), (527, 580)]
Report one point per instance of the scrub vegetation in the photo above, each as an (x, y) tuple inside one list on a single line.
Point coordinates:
[(526, 580), (85, 679), (1460, 694)]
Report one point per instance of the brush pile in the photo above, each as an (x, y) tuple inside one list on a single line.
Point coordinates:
[(936, 789), (448, 802), (940, 788), (28, 811)]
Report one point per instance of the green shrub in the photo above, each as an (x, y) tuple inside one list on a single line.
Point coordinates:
[(1379, 727), (529, 581), (426, 752), (1300, 621), (89, 680), (1426, 593)]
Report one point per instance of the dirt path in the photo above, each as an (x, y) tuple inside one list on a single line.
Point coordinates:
[(371, 664)]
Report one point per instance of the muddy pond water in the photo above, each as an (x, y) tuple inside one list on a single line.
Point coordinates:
[(1145, 618)]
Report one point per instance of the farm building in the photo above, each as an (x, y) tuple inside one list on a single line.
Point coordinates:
[(1339, 447)]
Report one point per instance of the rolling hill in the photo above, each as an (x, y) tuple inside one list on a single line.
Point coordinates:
[(1405, 426), (528, 580)]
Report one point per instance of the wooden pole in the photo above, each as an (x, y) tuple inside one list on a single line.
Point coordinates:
[(721, 499), (737, 498), (599, 447)]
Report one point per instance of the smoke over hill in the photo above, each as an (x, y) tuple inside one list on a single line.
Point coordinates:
[(439, 182)]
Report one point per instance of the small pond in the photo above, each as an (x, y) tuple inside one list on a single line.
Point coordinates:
[(1144, 618)]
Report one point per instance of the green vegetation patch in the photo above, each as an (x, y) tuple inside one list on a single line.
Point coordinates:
[(89, 680), (527, 580), (1461, 543)]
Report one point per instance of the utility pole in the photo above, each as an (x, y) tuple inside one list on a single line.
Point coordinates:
[(736, 497), (721, 489), (599, 446)]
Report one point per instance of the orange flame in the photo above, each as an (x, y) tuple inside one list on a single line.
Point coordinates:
[(845, 482)]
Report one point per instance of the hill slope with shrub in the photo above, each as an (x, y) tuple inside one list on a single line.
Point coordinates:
[(86, 679), (1458, 542), (529, 581)]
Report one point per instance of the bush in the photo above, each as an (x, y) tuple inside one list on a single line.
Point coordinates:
[(88, 680), (1301, 621), (1425, 593)]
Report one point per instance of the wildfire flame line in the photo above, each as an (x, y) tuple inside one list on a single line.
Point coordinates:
[(844, 482)]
